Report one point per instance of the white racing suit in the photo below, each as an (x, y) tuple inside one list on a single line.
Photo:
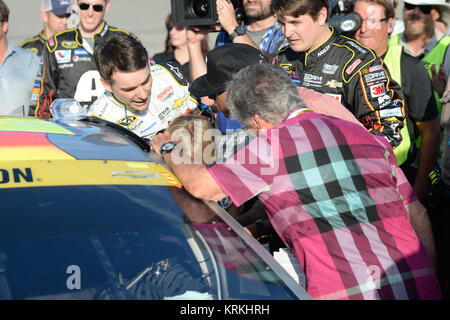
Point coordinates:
[(169, 98)]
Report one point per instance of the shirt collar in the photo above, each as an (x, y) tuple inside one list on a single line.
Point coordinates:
[(437, 36)]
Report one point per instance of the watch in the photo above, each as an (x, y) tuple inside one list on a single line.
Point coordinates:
[(167, 147), (239, 31)]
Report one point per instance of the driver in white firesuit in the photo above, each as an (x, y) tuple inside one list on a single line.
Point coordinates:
[(141, 98)]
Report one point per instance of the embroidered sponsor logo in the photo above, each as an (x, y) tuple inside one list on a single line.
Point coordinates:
[(80, 52), (164, 93), (330, 69), (287, 67), (353, 66), (373, 69), (311, 80), (63, 56), (391, 112), (75, 59), (127, 121), (324, 50), (337, 97), (69, 44), (377, 76), (175, 70), (334, 84), (377, 90), (357, 47), (384, 101)]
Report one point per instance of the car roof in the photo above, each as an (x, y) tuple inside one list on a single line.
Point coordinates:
[(35, 152)]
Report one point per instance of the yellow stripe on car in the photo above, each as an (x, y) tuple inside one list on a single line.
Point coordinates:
[(45, 173), (31, 125)]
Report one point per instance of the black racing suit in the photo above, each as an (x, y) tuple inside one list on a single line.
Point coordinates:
[(69, 69), (35, 44), (346, 70)]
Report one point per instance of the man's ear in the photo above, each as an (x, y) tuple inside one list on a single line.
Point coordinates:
[(323, 16), (390, 23), (106, 84), (107, 5), (44, 16)]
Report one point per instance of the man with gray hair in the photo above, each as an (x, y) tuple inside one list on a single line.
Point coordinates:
[(332, 191)]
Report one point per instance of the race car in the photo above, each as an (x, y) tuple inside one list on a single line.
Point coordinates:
[(89, 212)]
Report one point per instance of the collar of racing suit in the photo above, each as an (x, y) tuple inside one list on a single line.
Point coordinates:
[(316, 54), (100, 34)]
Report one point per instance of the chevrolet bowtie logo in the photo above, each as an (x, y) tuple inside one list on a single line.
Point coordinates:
[(135, 174), (334, 84)]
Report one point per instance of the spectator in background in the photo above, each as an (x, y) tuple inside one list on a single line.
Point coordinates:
[(438, 20), (260, 30), (319, 179), (18, 70), (422, 115), (422, 39), (176, 49), (69, 69), (54, 14)]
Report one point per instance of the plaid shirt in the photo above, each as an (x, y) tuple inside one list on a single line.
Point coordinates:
[(335, 196)]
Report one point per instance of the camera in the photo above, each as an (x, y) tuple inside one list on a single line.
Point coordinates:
[(201, 12), (342, 17)]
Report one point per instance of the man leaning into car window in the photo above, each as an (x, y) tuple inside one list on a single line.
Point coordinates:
[(141, 98), (332, 191)]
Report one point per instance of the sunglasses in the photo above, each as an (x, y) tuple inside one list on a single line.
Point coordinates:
[(424, 9), (96, 7)]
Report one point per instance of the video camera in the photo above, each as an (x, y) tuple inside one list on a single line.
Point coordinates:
[(201, 12), (342, 17)]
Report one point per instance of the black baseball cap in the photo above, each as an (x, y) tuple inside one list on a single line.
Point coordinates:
[(221, 63)]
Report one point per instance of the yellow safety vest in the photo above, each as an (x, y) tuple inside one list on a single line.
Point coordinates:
[(392, 61), (435, 56)]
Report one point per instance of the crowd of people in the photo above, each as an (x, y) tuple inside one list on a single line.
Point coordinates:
[(325, 145)]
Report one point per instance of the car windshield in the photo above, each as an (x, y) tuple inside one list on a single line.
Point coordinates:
[(124, 242)]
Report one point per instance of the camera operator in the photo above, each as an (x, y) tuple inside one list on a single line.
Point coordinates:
[(260, 30)]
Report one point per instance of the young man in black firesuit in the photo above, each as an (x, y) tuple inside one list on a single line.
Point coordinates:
[(321, 59), (69, 68)]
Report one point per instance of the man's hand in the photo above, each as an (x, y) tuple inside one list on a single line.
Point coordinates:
[(226, 15), (439, 79), (159, 140), (195, 34)]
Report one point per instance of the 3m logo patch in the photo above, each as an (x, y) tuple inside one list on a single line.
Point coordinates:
[(377, 90), (353, 66), (63, 56)]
